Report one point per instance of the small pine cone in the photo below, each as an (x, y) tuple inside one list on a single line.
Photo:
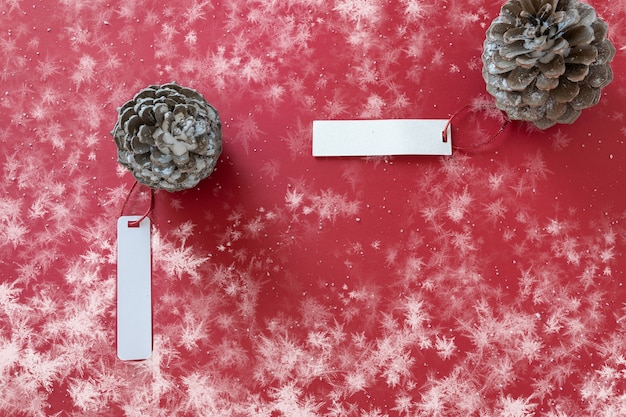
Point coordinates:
[(168, 136), (546, 60)]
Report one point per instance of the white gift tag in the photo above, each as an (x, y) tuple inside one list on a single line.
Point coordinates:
[(134, 291), (381, 137)]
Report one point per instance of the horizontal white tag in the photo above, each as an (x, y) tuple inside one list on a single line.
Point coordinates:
[(381, 137), (134, 289)]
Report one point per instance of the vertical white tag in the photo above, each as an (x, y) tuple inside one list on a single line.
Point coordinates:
[(134, 291), (381, 137)]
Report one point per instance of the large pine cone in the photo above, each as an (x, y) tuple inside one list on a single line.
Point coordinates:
[(546, 60), (168, 136)]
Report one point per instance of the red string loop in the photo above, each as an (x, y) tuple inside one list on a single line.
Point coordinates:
[(444, 133), (136, 223)]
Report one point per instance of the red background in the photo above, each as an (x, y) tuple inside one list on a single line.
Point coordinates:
[(486, 283)]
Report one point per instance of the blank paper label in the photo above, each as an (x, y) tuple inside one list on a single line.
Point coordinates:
[(134, 292), (381, 137)]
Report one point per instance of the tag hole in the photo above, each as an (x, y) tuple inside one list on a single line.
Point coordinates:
[(133, 223)]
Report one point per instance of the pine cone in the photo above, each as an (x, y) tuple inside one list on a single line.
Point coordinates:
[(168, 136), (546, 60)]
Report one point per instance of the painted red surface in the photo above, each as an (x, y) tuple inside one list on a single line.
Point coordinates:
[(489, 283)]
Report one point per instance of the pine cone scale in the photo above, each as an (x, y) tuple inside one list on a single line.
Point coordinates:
[(529, 6), (514, 34), (569, 116), (555, 68), (555, 109), (587, 97), (520, 78), (514, 50), (546, 83), (577, 72), (147, 115), (580, 35), (600, 29), (582, 54), (600, 76), (606, 52), (587, 15), (565, 91)]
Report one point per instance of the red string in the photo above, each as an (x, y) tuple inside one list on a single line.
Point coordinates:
[(136, 223), (444, 133), (127, 197)]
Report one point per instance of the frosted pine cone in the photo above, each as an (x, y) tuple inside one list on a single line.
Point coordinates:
[(168, 136), (546, 60)]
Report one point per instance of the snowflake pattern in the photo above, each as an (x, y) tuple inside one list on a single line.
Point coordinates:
[(488, 283)]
